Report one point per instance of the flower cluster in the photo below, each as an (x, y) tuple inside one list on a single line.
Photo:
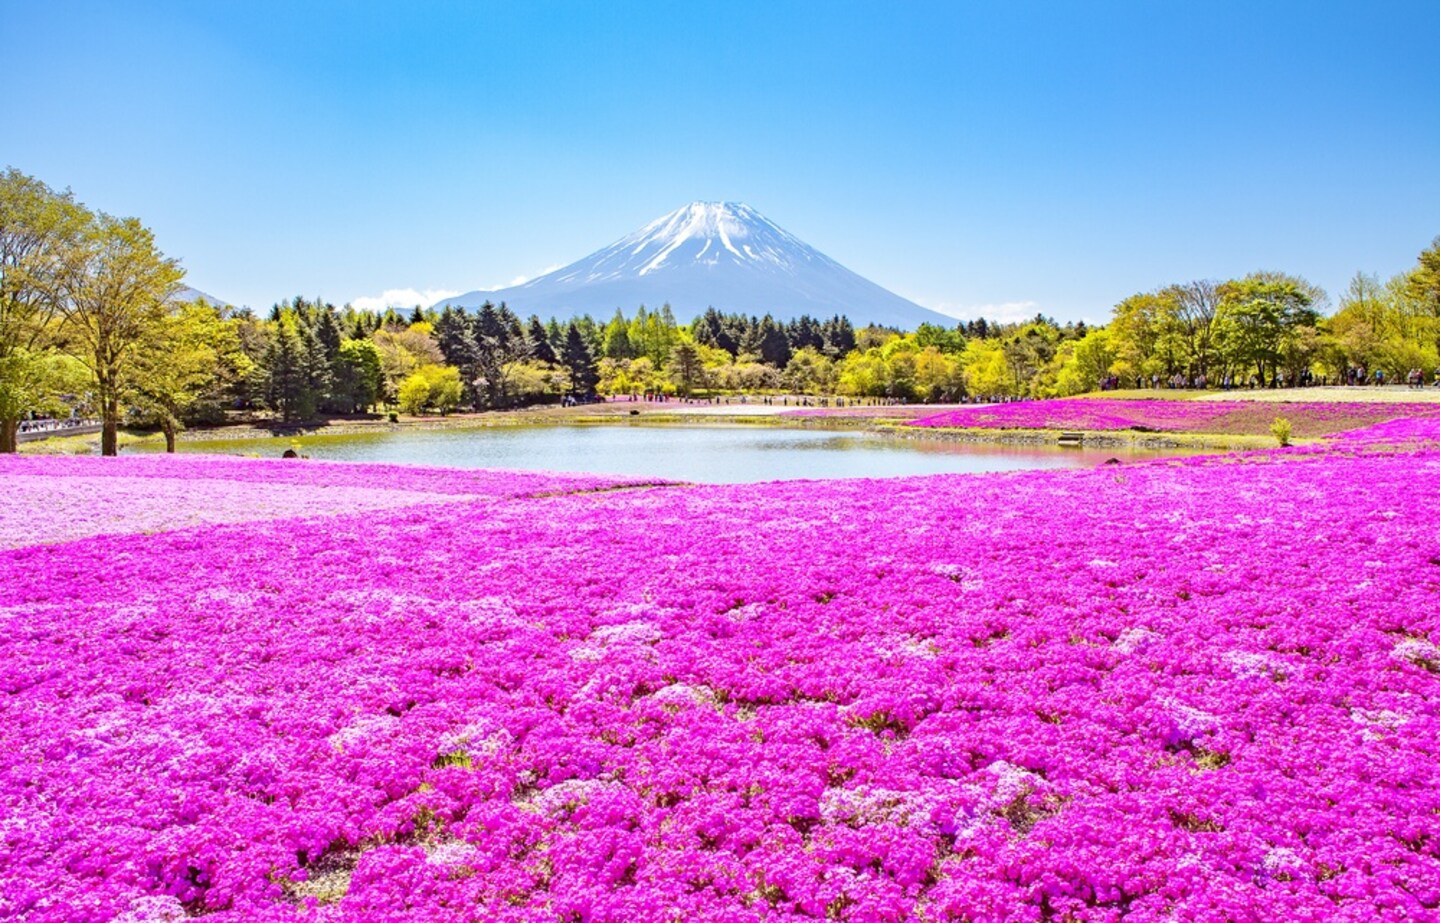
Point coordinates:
[(1308, 418), (1205, 690)]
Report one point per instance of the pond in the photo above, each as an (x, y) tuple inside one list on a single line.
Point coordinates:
[(707, 454)]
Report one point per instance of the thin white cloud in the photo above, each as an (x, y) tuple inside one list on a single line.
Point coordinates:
[(1007, 312), (521, 280), (402, 298)]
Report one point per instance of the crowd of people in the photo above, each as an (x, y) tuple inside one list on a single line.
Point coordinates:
[(42, 424)]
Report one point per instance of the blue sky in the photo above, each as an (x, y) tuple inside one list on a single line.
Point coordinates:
[(999, 158)]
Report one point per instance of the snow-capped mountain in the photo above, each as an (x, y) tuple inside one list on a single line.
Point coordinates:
[(724, 255)]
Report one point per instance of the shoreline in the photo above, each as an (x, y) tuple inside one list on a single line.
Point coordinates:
[(886, 421), (890, 428)]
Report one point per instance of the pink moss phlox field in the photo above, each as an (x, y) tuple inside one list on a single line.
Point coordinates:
[(1312, 418), (492, 483), (1201, 691), (54, 499), (1404, 431)]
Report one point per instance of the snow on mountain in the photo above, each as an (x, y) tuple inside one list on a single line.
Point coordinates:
[(194, 294), (724, 255)]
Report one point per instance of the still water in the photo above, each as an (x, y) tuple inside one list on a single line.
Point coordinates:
[(706, 454)]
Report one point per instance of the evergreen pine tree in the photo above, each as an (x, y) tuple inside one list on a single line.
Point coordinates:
[(774, 347), (452, 334), (286, 389), (538, 341), (317, 370), (579, 362), (327, 329), (839, 336), (712, 330), (617, 338)]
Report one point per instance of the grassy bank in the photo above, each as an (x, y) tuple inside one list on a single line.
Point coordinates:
[(886, 420)]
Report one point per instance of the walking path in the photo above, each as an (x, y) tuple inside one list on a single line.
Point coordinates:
[(1397, 394)]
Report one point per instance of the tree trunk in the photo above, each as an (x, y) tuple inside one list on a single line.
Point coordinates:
[(169, 428), (9, 437), (109, 427)]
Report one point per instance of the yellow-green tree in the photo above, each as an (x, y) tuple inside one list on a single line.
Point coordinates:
[(1260, 323), (1083, 363), (403, 352), (1139, 328), (117, 292), (183, 358), (987, 372), (358, 379), (938, 376), (38, 382), (40, 235), (1423, 285), (863, 374), (810, 372), (430, 388)]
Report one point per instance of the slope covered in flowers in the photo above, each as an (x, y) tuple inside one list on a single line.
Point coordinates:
[(63, 498), (1206, 690), (1238, 417)]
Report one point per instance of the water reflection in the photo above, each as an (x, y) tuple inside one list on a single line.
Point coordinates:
[(708, 454)]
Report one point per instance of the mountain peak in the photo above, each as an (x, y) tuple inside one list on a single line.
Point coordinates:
[(708, 233), (724, 255)]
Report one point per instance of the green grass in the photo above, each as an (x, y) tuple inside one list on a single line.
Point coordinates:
[(88, 443)]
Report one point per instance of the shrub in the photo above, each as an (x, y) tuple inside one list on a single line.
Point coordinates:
[(1280, 429)]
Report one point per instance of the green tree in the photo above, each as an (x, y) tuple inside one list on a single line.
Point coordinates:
[(944, 339), (938, 376), (1085, 363), (359, 379), (431, 387), (318, 358), (986, 369), (810, 372), (617, 343), (38, 383), (1191, 314), (116, 294), (1380, 325), (1137, 328), (1423, 285), (685, 367), (327, 331), (774, 348), (1256, 317), (182, 358), (500, 342), (538, 338), (579, 363), (285, 370), (532, 381), (402, 351), (40, 237)]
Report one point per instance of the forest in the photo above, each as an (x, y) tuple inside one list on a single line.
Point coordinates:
[(92, 323)]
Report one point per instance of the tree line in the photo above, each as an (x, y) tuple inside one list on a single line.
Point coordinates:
[(1272, 329), (90, 316)]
